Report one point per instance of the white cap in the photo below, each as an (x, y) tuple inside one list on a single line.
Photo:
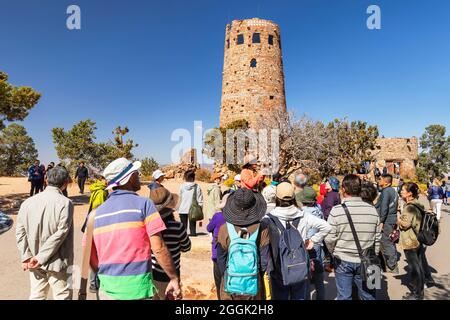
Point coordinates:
[(237, 177), (158, 174), (118, 172)]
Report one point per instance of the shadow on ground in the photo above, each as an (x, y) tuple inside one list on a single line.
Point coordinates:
[(10, 203), (80, 200), (442, 289)]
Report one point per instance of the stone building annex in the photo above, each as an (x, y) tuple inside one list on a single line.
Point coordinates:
[(253, 88)]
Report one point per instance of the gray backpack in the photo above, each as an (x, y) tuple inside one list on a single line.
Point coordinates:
[(292, 254)]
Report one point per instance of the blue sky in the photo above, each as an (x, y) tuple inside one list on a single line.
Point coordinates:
[(156, 65)]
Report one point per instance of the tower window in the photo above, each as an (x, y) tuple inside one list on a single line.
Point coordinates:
[(256, 38), (253, 63), (271, 97), (240, 39), (271, 39), (228, 43)]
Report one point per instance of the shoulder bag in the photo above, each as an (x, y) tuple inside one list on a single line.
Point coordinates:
[(195, 211), (369, 258)]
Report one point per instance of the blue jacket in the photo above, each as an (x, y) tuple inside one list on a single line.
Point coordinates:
[(315, 211), (435, 192), (34, 173)]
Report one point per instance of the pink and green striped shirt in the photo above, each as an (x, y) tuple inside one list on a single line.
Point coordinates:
[(123, 226)]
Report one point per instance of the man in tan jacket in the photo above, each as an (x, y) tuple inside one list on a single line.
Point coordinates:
[(44, 236)]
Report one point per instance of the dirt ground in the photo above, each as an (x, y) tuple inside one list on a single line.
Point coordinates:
[(196, 266)]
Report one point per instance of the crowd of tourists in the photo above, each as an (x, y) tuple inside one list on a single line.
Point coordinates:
[(272, 238), (37, 176)]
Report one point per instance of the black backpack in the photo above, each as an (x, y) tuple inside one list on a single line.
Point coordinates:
[(429, 227)]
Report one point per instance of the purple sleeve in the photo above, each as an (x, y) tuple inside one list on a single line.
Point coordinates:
[(212, 224), (326, 207)]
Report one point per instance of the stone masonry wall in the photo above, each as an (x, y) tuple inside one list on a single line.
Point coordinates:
[(398, 150), (253, 78)]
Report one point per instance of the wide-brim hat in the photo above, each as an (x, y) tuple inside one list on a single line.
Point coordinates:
[(244, 207), (163, 199), (216, 176), (118, 172)]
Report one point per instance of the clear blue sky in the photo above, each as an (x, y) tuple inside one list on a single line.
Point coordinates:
[(156, 65)]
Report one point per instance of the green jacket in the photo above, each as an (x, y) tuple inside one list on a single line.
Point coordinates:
[(409, 225), (99, 194)]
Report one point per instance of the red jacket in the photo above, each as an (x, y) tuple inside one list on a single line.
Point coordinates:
[(250, 179), (322, 193)]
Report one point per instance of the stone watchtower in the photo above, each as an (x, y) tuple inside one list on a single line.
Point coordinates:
[(253, 78)]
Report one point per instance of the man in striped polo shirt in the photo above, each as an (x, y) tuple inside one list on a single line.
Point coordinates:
[(341, 244), (127, 229)]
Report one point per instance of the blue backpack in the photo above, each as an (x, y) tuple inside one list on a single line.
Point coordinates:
[(241, 276), (293, 256)]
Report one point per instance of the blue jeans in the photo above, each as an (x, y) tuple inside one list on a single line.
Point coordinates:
[(295, 292), (346, 274)]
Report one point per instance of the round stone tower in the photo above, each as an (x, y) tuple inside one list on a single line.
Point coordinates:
[(253, 78)]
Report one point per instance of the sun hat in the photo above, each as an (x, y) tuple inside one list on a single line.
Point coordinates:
[(163, 198), (237, 177), (158, 174), (269, 194), (216, 176), (307, 196), (244, 207), (118, 172), (285, 191)]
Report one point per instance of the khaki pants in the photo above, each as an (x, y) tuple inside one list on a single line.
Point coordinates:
[(41, 281)]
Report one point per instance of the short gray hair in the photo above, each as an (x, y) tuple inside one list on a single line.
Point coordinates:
[(301, 180), (57, 176)]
